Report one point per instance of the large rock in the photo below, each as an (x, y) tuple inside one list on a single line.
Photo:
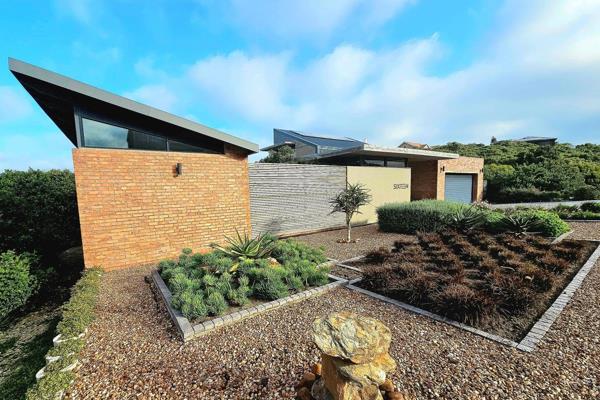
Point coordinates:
[(355, 359), (352, 337)]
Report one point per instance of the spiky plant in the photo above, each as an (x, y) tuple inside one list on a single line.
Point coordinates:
[(243, 247), (349, 202), (466, 219)]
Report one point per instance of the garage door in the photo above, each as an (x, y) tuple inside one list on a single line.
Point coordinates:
[(459, 187)]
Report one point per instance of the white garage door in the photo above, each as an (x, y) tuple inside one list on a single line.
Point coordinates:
[(459, 187)]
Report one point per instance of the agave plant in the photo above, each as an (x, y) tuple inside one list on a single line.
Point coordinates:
[(466, 219), (519, 223), (243, 247)]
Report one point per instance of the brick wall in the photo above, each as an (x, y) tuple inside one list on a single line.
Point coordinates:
[(463, 165), (428, 178), (134, 210)]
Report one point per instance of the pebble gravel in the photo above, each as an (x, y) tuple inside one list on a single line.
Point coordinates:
[(133, 351), (368, 237), (585, 230)]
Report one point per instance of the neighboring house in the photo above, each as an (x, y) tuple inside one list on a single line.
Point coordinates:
[(309, 146), (539, 140), (414, 145), (148, 183), (434, 174)]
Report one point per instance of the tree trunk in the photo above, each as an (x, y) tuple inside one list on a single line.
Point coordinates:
[(349, 228)]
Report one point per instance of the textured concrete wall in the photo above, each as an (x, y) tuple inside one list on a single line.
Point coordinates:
[(289, 198), (134, 210), (386, 185)]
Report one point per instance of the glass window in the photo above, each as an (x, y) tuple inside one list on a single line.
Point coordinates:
[(180, 146), (373, 163), (100, 134), (396, 163)]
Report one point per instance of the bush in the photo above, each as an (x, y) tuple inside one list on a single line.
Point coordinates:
[(78, 313), (216, 304), (16, 282), (192, 305), (530, 195), (532, 220), (416, 216), (586, 192), (38, 212), (460, 303), (592, 207)]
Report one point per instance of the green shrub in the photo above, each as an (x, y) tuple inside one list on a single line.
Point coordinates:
[(216, 304), (16, 282), (416, 216), (593, 207), (586, 192), (78, 313), (38, 212), (534, 220), (465, 219), (243, 246), (193, 307), (290, 250), (579, 214), (529, 195)]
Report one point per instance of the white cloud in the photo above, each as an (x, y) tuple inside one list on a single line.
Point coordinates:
[(13, 104), (40, 151), (538, 75), (80, 10), (290, 18)]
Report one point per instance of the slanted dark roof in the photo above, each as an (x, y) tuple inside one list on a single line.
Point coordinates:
[(322, 140), (59, 95), (534, 138)]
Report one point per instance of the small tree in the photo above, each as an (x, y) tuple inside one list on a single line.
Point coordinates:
[(282, 155), (349, 201)]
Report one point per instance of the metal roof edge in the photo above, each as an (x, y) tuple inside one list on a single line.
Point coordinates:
[(30, 70)]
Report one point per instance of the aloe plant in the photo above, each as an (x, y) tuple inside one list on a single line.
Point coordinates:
[(243, 247)]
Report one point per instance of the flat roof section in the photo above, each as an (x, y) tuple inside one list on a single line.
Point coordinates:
[(396, 152), (58, 96)]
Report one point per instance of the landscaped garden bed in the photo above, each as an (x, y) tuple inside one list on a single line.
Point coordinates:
[(498, 283), (248, 276)]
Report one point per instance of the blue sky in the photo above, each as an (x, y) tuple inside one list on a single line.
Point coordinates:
[(388, 70)]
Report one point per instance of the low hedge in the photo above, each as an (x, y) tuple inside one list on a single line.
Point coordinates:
[(587, 211), (435, 215), (415, 216), (77, 315)]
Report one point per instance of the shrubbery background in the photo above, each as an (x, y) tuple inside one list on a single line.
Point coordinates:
[(525, 172)]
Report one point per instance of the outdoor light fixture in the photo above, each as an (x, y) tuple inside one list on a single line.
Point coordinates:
[(178, 169), (443, 168)]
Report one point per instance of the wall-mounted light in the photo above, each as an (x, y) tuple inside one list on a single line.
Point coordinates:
[(443, 168), (178, 169)]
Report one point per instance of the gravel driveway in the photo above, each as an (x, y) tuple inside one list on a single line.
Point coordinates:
[(133, 351)]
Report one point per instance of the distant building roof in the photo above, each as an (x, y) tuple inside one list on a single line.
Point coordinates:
[(278, 145), (535, 139), (321, 140), (414, 145)]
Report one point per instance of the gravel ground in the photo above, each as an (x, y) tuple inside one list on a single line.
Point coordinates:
[(585, 230), (369, 238), (134, 352)]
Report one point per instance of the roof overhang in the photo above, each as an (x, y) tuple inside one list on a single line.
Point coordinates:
[(59, 96), (278, 145), (367, 150)]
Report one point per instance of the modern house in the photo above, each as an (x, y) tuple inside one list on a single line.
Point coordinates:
[(434, 174), (149, 183)]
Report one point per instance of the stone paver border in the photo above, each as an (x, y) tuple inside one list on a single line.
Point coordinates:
[(188, 331), (535, 334), (541, 327), (562, 237)]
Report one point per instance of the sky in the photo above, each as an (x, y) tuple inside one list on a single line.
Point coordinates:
[(382, 70)]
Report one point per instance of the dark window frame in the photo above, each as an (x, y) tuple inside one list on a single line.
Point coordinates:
[(80, 115)]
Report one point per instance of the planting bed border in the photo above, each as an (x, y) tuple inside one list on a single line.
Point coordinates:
[(535, 334), (188, 331)]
